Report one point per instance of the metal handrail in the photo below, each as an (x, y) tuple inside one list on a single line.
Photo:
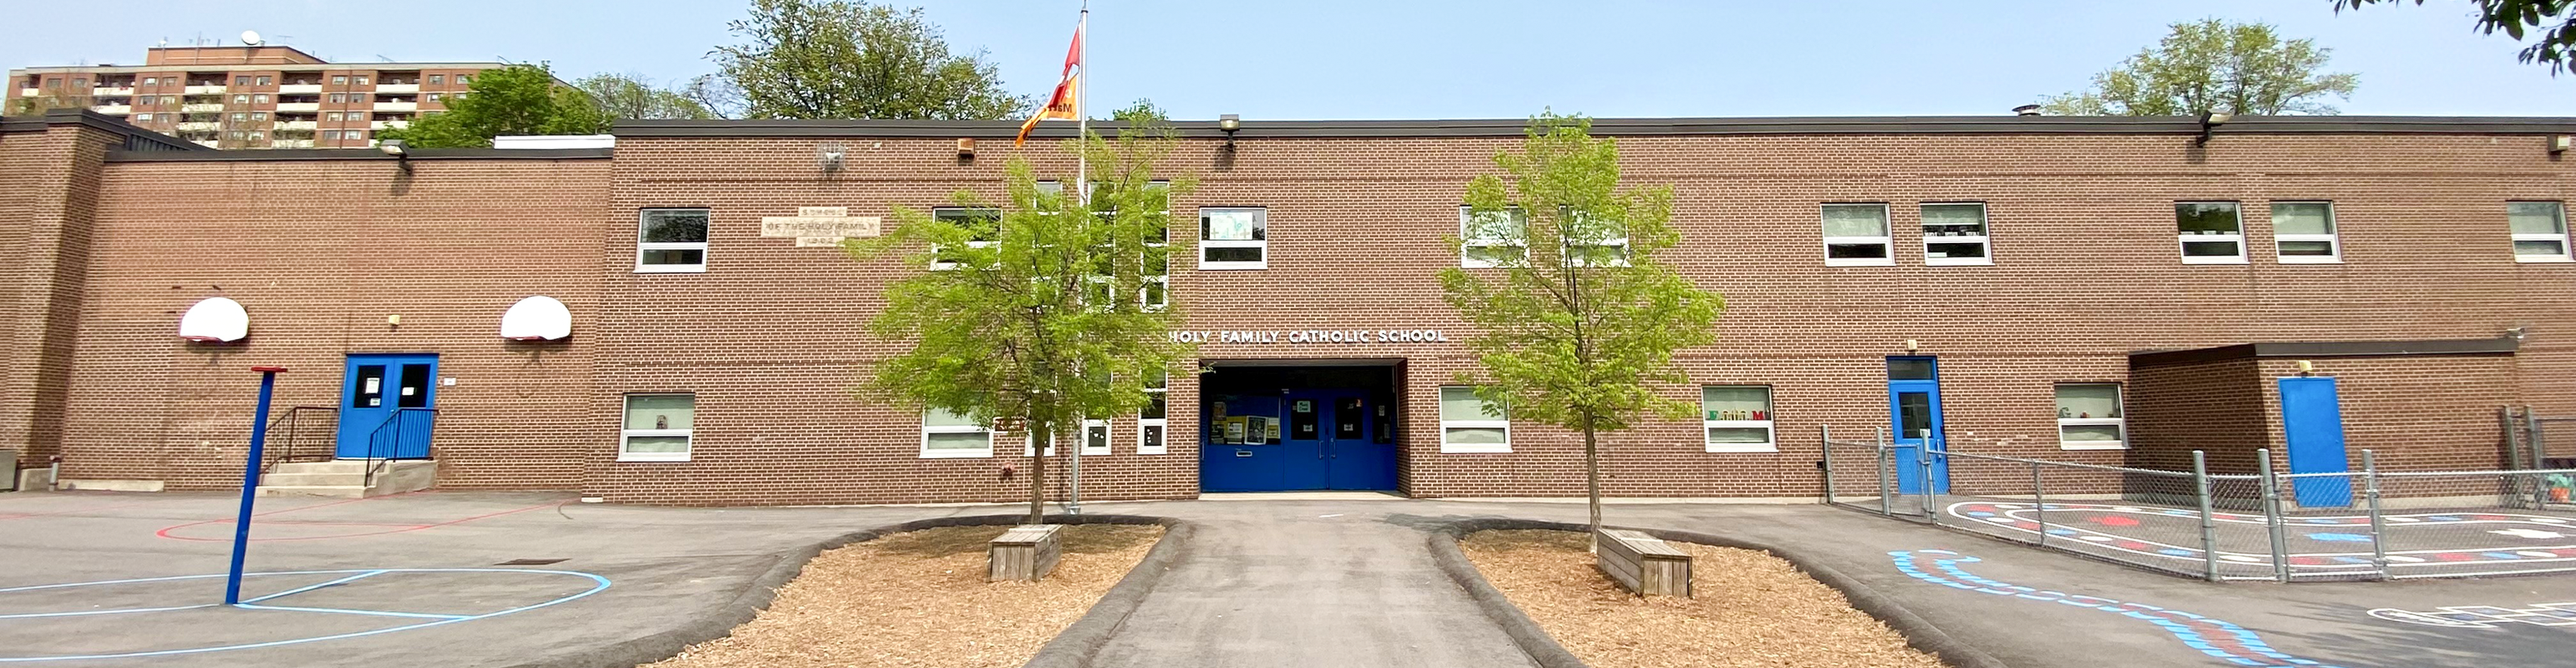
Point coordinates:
[(380, 454), (286, 451)]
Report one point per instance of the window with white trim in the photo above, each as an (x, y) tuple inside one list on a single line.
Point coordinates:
[(2304, 232), (1156, 291), (2539, 231), (2088, 417), (1468, 423), (1150, 424), (1737, 418), (1489, 239), (2210, 232), (1234, 238), (667, 240), (985, 224), (1581, 251), (947, 434), (1095, 438), (658, 428), (1954, 234), (1856, 236)]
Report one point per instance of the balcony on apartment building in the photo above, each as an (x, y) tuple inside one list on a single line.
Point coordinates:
[(296, 125), (299, 106), (406, 105), (201, 107), (380, 125), (290, 143), (390, 87), (300, 89), (113, 109), (212, 89), (197, 126)]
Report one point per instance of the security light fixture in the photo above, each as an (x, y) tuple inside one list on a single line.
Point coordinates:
[(1229, 123), (830, 155), (2560, 143), (965, 147), (402, 156), (2209, 121), (2026, 110)]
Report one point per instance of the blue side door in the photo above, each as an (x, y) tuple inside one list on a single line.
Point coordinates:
[(385, 403), (1914, 407), (2312, 421), (1237, 452), (1358, 453)]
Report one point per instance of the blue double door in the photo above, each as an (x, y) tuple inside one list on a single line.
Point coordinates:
[(386, 406), (1326, 440), (1914, 409)]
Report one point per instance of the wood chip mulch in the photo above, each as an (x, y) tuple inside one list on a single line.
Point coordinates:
[(920, 599), (1748, 609)]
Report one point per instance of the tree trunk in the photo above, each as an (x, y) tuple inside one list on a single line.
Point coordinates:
[(1592, 472), (1037, 475)]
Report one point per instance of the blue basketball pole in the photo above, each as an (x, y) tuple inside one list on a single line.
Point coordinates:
[(250, 483)]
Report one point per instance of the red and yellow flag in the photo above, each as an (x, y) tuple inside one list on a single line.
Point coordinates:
[(1066, 104)]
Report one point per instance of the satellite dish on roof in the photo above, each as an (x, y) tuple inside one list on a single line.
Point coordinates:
[(250, 37)]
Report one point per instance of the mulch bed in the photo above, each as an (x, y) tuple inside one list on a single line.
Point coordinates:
[(1748, 609), (920, 599)]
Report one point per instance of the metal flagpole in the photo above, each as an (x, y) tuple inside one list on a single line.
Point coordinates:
[(1082, 194)]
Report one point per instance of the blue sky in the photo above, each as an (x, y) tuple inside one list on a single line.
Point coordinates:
[(1348, 59)]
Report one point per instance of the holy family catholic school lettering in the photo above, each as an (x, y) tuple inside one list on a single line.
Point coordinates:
[(1312, 336)]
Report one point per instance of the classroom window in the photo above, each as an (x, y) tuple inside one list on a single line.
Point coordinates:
[(947, 434), (1955, 234), (1737, 418), (984, 224), (2305, 233), (1470, 424), (1490, 239), (1856, 235), (1234, 238), (1095, 437), (1586, 246), (2088, 417), (658, 428), (2211, 232), (668, 240), (1150, 424), (2539, 231)]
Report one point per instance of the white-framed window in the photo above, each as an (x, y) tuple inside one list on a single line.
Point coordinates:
[(145, 117), (1605, 252), (658, 428), (1737, 418), (984, 222), (1157, 288), (2210, 232), (1151, 427), (1856, 236), (1234, 238), (1471, 424), (1485, 241), (947, 434), (1954, 234), (668, 240), (2304, 233), (1095, 438), (2088, 417), (2539, 231)]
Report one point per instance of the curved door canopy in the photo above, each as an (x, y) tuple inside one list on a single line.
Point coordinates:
[(538, 318), (217, 319)]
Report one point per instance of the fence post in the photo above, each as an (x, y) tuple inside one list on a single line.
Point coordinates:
[(2039, 501), (1825, 440), (1886, 486), (2539, 458), (2513, 447), (2208, 525), (2378, 526), (1923, 462), (2272, 517)]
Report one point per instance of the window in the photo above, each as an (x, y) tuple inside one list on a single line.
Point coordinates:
[(142, 118), (1095, 438), (2539, 231), (668, 240), (355, 134), (464, 79), (1470, 424), (1234, 238), (1150, 426), (331, 135), (263, 81), (2088, 417), (658, 428), (434, 97), (241, 81), (2305, 232), (239, 117), (1490, 239), (985, 224), (332, 116), (438, 78), (259, 115), (257, 136), (259, 98), (337, 98), (241, 99), (1955, 235), (340, 81), (1856, 236), (2210, 232), (151, 81), (1737, 418), (362, 81), (946, 434)]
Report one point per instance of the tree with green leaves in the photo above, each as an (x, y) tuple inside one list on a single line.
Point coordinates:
[(515, 100), (854, 59), (2213, 66), (634, 96), (2557, 45), (1036, 312), (1579, 318)]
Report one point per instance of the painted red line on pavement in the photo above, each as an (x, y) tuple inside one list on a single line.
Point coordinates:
[(404, 528), (165, 531), (14, 516)]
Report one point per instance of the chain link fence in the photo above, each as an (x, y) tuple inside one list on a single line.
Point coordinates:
[(2268, 525)]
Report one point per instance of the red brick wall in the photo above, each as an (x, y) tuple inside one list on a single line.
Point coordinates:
[(2430, 413), (51, 178), (2219, 407)]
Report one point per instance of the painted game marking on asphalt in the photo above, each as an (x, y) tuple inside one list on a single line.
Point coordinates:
[(2021, 517), (2214, 637), (428, 619), (2484, 616)]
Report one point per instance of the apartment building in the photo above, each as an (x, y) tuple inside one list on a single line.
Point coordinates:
[(248, 97), (621, 321)]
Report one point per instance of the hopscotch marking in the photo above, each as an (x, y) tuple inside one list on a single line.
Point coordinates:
[(429, 619), (2214, 637), (2484, 616)]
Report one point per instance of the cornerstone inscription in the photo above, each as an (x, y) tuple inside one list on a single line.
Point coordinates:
[(821, 226)]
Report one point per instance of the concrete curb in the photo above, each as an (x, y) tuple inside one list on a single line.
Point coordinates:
[(1533, 641), (1919, 633), (1077, 644), (764, 589)]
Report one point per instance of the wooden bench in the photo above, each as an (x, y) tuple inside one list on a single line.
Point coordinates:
[(1026, 552), (1642, 563)]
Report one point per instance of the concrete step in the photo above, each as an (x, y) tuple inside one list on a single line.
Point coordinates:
[(313, 479), (335, 466), (347, 479), (338, 491)]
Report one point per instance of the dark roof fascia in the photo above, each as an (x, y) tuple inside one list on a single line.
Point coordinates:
[(2503, 345), (369, 154), (96, 121), (1797, 125)]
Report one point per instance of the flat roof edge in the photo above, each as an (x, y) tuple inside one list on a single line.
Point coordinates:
[(1253, 128), (2502, 345), (367, 154)]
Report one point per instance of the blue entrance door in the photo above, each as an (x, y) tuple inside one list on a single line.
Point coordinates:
[(386, 404), (1301, 440), (1914, 407), (1240, 446), (1358, 453), (2312, 421)]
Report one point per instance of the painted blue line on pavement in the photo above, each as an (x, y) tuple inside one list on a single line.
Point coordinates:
[(84, 613), (1947, 562), (602, 585), (306, 588), (346, 611)]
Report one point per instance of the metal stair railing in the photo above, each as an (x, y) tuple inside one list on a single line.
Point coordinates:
[(294, 421), (382, 446)]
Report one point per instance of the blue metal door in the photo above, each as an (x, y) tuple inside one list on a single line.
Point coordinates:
[(386, 404), (2312, 421), (1914, 407), (1359, 455), (1240, 449)]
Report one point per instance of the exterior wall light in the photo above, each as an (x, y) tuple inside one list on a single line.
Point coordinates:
[(2560, 143), (2209, 121), (965, 147), (830, 156), (1230, 123), (401, 154)]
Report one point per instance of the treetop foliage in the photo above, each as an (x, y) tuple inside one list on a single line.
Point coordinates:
[(854, 59), (519, 99), (2214, 66)]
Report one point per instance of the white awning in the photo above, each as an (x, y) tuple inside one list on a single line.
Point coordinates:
[(538, 318), (215, 319)]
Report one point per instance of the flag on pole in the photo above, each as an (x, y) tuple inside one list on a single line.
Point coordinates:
[(1066, 103)]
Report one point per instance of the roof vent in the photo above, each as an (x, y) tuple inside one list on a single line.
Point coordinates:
[(2026, 110)]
